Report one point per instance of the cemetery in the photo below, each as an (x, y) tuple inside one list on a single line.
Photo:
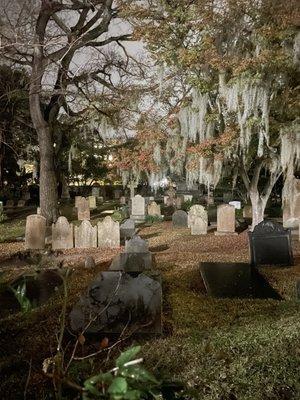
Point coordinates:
[(149, 200)]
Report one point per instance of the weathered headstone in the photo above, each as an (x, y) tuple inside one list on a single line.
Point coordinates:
[(197, 211), (166, 200), (291, 205), (138, 208), (132, 185), (83, 209), (123, 200), (35, 232), (154, 209), (62, 234), (225, 220), (10, 203), (92, 202), (187, 197), (199, 226), (178, 202), (85, 235), (127, 229), (180, 219), (108, 233), (21, 203), (95, 191), (247, 212), (136, 245), (117, 194), (270, 244), (77, 200), (116, 300)]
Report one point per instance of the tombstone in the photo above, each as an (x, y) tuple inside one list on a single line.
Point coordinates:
[(116, 300), (180, 219), (187, 197), (123, 200), (131, 187), (100, 199), (291, 206), (199, 226), (127, 229), (35, 232), (178, 203), (77, 200), (62, 234), (227, 280), (166, 200), (92, 202), (138, 208), (21, 203), (10, 203), (247, 212), (154, 209), (85, 235), (108, 233), (237, 204), (95, 191), (26, 196), (197, 211), (117, 194), (225, 220), (270, 244), (83, 209), (181, 186), (136, 245)]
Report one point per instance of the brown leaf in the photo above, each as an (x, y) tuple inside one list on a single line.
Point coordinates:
[(81, 339), (104, 343)]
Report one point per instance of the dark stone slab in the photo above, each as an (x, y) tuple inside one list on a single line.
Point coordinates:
[(132, 262), (180, 219), (136, 245), (116, 300), (230, 280), (127, 229), (270, 244)]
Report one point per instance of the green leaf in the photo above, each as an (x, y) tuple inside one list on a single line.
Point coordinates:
[(127, 356), (133, 395), (118, 387), (138, 373), (91, 389)]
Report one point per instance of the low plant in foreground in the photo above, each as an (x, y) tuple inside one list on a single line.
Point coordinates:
[(20, 294)]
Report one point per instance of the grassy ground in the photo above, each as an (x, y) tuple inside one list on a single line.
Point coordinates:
[(220, 349)]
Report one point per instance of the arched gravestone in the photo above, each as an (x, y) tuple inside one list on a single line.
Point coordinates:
[(116, 300), (154, 209), (35, 232), (270, 244), (180, 219), (85, 235), (197, 211), (62, 234), (108, 233)]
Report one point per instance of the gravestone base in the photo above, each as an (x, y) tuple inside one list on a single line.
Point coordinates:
[(217, 233), (138, 218)]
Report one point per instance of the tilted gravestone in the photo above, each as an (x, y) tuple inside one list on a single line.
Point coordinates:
[(85, 235), (138, 208), (227, 279), (225, 220), (116, 300), (62, 234), (35, 232), (154, 209), (108, 233), (180, 219), (270, 244), (83, 209)]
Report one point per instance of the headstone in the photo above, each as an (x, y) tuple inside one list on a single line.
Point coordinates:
[(132, 185), (225, 220), (26, 196), (117, 193), (291, 206), (10, 203), (181, 186), (227, 280), (92, 202), (100, 199), (127, 229), (237, 204), (199, 226), (166, 200), (108, 233), (116, 300), (180, 219), (95, 191), (21, 203), (270, 244), (123, 200), (197, 211), (136, 245), (85, 235), (35, 232), (138, 208), (38, 211), (154, 209), (62, 234), (187, 197), (178, 203), (83, 209), (77, 200), (247, 212)]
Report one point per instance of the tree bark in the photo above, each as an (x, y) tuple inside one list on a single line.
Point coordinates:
[(258, 207)]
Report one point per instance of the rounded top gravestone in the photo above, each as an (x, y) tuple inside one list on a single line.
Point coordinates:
[(197, 211), (180, 219)]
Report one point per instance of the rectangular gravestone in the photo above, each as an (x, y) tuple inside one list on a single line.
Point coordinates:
[(270, 244), (227, 280)]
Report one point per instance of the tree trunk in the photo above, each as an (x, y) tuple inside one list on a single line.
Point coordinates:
[(258, 208)]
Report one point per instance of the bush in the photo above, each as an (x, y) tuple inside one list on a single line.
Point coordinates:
[(152, 219)]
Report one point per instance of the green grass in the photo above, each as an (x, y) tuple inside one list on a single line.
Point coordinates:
[(10, 230)]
